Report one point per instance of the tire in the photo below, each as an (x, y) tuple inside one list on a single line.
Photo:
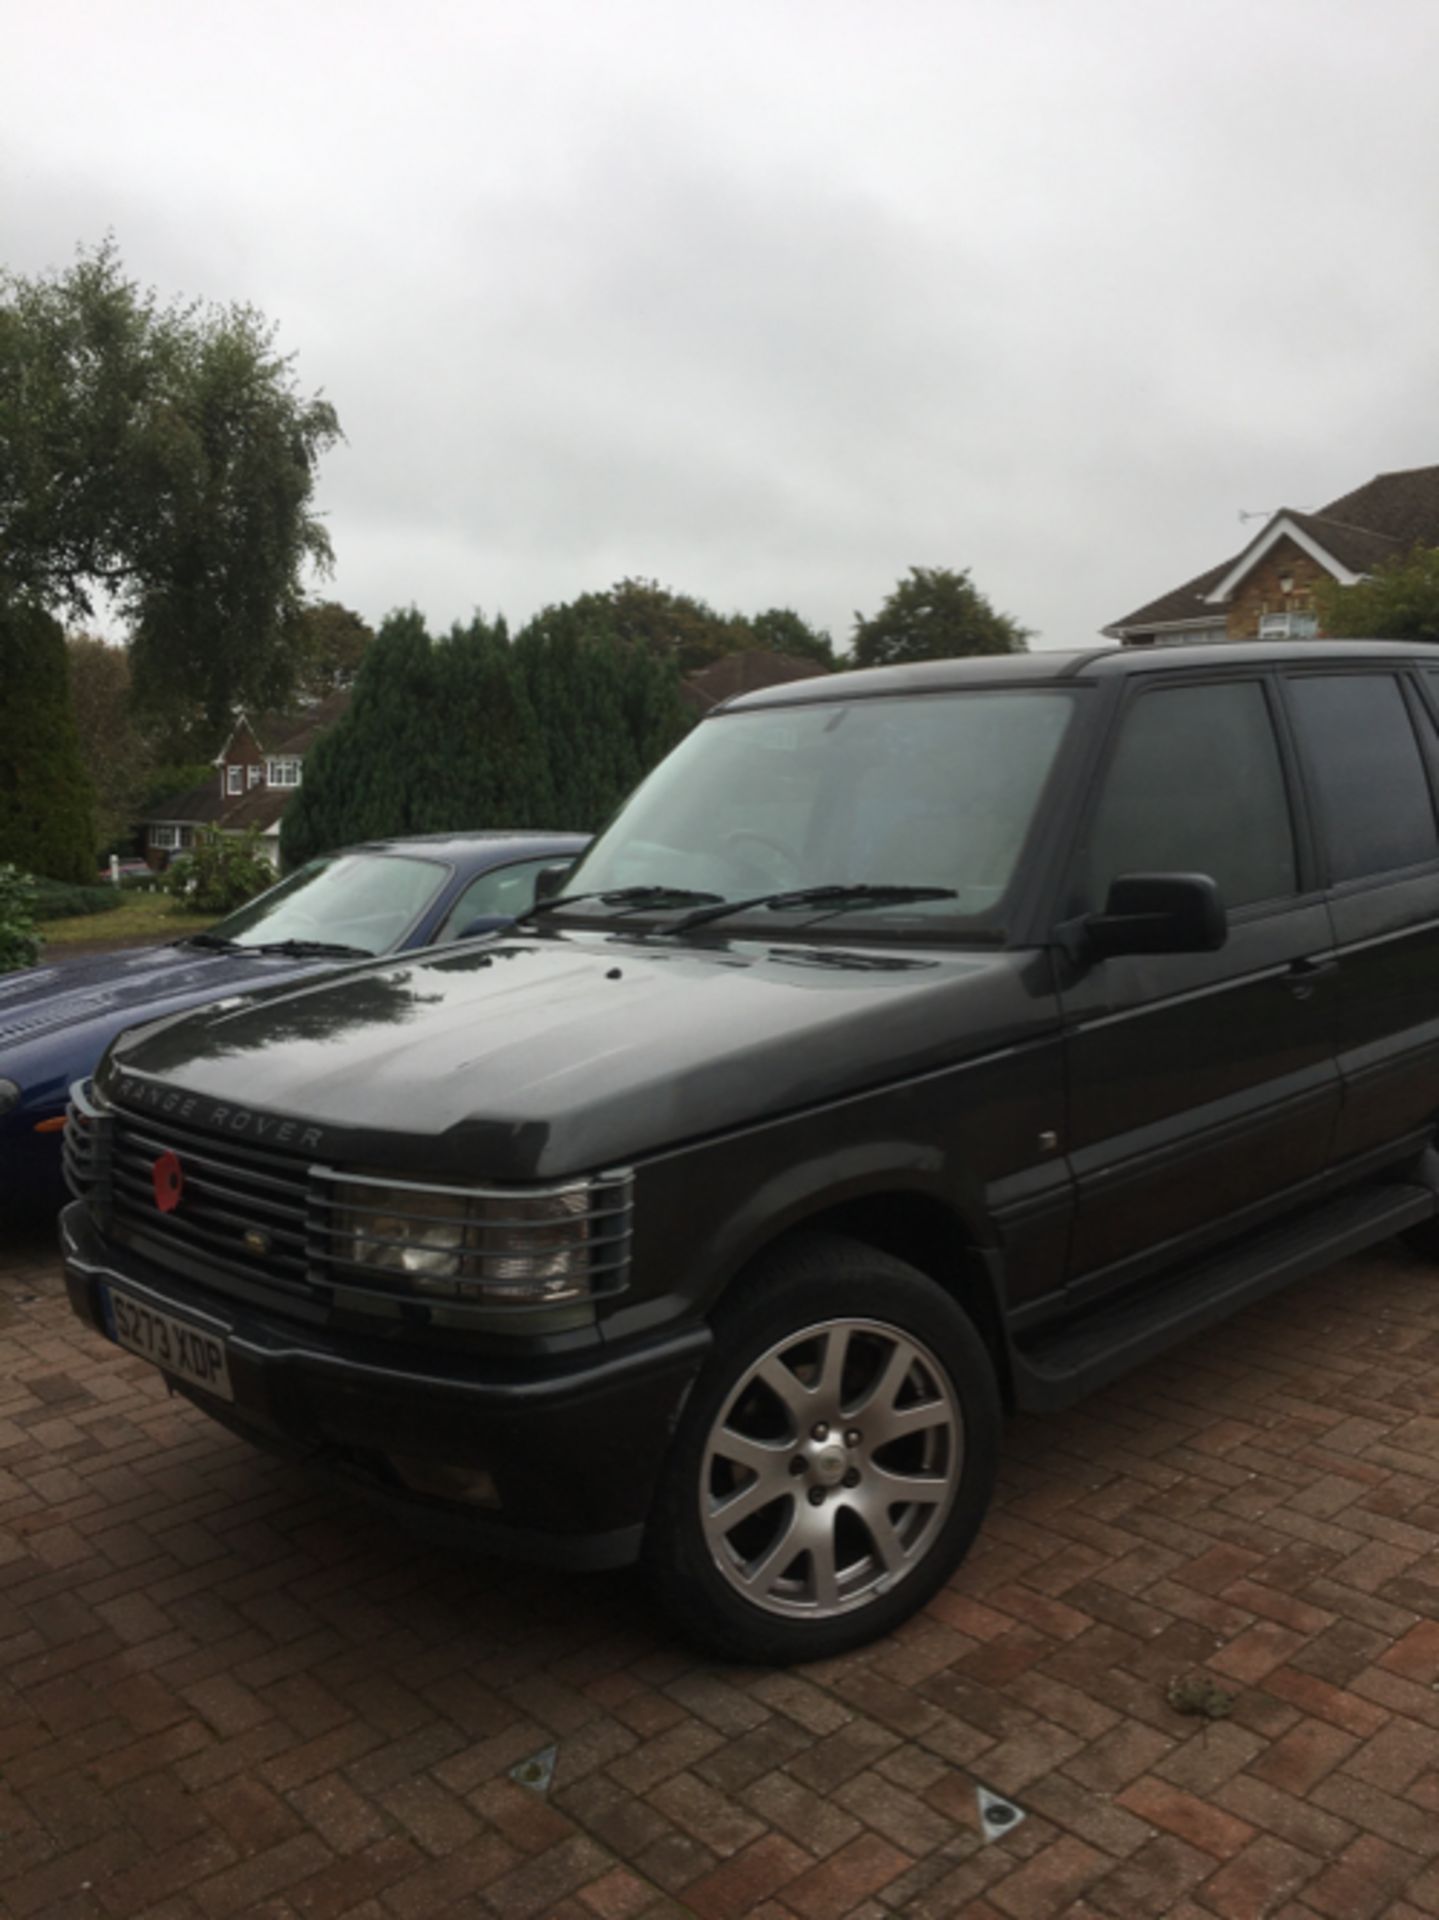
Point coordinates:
[(841, 1378), (1422, 1240)]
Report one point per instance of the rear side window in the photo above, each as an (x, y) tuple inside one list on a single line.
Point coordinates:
[(1364, 768), (1196, 785)]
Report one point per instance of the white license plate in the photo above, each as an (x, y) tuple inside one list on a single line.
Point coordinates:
[(171, 1344)]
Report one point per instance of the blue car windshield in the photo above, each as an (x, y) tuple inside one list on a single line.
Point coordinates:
[(368, 901)]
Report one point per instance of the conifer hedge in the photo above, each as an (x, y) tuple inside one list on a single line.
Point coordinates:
[(473, 730), (47, 824)]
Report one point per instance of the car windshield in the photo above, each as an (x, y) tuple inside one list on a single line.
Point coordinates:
[(936, 791), (366, 901)]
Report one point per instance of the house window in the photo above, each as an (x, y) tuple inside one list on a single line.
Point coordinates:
[(283, 773), (234, 779), (1288, 626), (164, 839), (255, 774)]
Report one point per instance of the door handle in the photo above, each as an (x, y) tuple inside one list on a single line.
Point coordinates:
[(1301, 975)]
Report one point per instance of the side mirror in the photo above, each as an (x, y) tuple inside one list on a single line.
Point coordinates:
[(1158, 913), (484, 923), (551, 880)]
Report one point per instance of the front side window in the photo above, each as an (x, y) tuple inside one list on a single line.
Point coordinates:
[(502, 893), (1363, 766), (1196, 785), (283, 773), (936, 790), (234, 779)]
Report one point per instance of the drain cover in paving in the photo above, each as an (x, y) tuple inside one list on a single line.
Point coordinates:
[(996, 1815), (538, 1771)]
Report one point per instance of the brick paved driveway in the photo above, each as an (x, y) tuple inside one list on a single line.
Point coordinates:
[(225, 1691)]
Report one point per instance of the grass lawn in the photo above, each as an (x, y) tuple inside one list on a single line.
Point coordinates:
[(155, 914)]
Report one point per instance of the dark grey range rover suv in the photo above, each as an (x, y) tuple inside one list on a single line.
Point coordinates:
[(913, 1044)]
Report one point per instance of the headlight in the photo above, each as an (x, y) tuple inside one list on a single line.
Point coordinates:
[(486, 1245), (9, 1097), (397, 1240)]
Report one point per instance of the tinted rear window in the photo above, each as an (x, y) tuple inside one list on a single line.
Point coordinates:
[(1365, 772)]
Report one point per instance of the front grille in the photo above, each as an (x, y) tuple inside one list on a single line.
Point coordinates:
[(258, 1223), (243, 1210), (85, 1144)]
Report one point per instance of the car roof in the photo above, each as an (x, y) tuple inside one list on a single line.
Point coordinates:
[(501, 842), (1055, 667)]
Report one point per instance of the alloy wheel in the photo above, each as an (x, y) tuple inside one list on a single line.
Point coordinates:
[(831, 1468)]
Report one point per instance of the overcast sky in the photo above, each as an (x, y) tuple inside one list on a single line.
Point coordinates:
[(769, 300)]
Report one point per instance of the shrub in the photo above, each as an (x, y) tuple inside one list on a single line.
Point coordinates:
[(19, 943), (61, 900), (222, 873)]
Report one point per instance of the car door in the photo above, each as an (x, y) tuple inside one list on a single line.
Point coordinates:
[(1369, 752), (1202, 1086)]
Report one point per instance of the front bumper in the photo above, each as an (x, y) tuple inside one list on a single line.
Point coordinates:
[(31, 1182), (573, 1446)]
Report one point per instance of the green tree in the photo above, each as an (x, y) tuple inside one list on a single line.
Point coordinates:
[(491, 769), (47, 821), (934, 614), (170, 779), (164, 456), (439, 736), (674, 626), (329, 642), (1399, 601), (607, 710), (116, 753), (363, 777)]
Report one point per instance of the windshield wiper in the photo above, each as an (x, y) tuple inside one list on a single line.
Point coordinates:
[(216, 941), (629, 898), (305, 947), (831, 899)]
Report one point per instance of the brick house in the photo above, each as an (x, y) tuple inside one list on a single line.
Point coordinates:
[(1267, 590), (256, 771)]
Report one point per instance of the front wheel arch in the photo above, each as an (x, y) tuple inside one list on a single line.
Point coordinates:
[(909, 1221)]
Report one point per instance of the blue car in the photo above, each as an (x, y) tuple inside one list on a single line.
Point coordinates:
[(385, 896)]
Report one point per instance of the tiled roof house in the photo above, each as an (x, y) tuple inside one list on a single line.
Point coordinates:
[(743, 672), (1266, 591), (256, 771)]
